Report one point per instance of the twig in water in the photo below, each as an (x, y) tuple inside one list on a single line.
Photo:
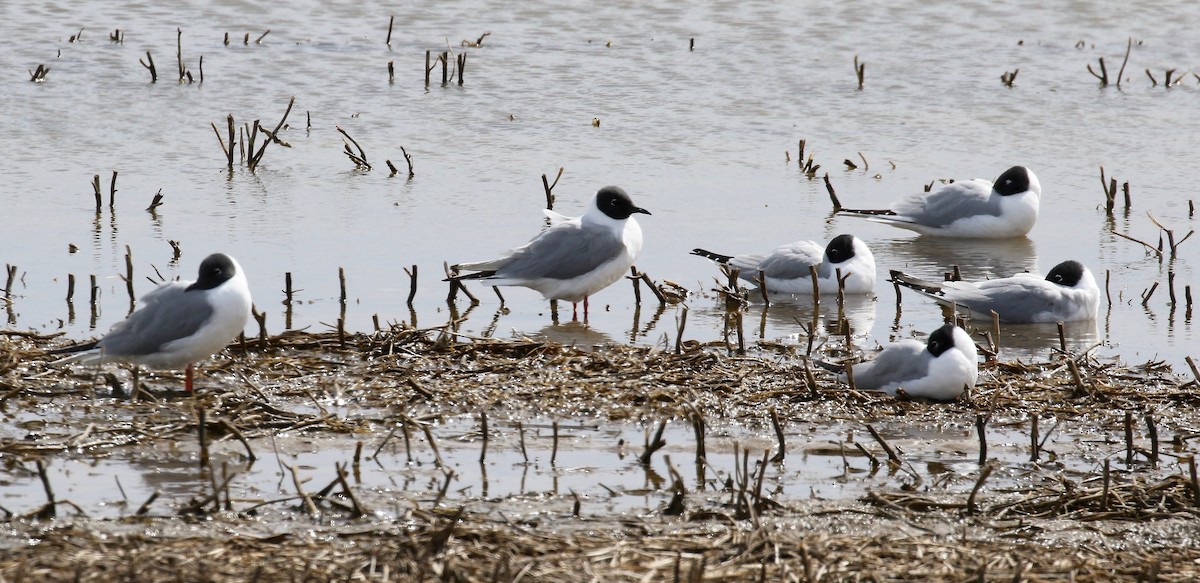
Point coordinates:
[(408, 160), (679, 331), (360, 160), (1128, 438), (554, 443), (272, 136), (112, 191), (1146, 294), (981, 429), (96, 190), (157, 201), (779, 455), (837, 204), (1008, 78), (391, 21), (412, 284), (39, 75), (983, 476), (653, 445), (549, 188), (892, 457), (859, 69), (149, 65)]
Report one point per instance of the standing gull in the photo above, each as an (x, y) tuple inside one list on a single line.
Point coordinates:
[(178, 323), (575, 257), (787, 268), (975, 209), (1067, 294), (940, 369)]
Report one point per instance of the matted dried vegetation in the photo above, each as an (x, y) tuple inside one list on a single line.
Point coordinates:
[(1138, 527)]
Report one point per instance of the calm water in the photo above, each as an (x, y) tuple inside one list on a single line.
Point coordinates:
[(700, 138)]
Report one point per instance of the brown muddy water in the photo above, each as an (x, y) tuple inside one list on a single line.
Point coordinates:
[(697, 111)]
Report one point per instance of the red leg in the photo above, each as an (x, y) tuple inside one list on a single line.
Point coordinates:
[(189, 376), (575, 312), (585, 308)]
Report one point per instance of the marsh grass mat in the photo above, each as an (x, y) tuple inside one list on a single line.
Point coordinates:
[(1134, 520)]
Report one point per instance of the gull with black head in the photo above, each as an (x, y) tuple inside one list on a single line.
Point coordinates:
[(976, 209), (787, 268), (575, 257), (1067, 294), (940, 368), (178, 323)]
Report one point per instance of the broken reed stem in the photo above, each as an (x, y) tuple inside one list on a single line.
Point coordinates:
[(1195, 372), (96, 190), (549, 188), (679, 331), (1195, 483), (637, 285), (779, 455), (653, 445), (762, 288), (412, 284), (342, 285), (391, 21), (1062, 337), (437, 457), (484, 430), (149, 65), (554, 445), (859, 70), (816, 291), (892, 457), (662, 299), (1104, 492), (981, 429), (202, 429), (983, 476), (1033, 438), (129, 276), (837, 204), (1152, 431), (521, 431), (237, 433), (256, 157), (112, 191), (229, 152), (1121, 73), (1128, 438)]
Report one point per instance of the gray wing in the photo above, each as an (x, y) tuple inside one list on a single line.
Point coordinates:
[(168, 313), (748, 266), (900, 362), (563, 251), (948, 204), (792, 261), (1015, 299)]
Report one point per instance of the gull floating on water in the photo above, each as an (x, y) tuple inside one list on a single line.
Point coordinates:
[(970, 209), (1067, 294), (787, 268), (179, 322), (940, 368), (575, 257)]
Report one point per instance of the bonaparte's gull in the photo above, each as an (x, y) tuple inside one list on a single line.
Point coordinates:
[(574, 257), (971, 208), (941, 368), (787, 268), (1067, 294), (179, 322)]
